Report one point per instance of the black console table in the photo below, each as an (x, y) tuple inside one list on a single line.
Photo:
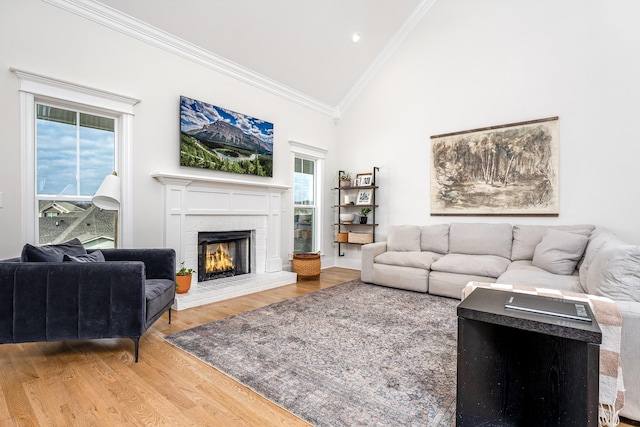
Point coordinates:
[(524, 369)]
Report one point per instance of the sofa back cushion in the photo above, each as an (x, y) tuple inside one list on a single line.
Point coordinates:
[(598, 238), (559, 251), (435, 238), (403, 238), (480, 239), (527, 237)]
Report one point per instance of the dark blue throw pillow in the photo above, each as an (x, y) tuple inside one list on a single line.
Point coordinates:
[(52, 253), (96, 256)]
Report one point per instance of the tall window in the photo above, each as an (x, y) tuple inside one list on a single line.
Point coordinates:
[(304, 201), (74, 151), (72, 137)]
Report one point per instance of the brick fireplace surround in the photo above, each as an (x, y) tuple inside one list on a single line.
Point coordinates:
[(193, 203)]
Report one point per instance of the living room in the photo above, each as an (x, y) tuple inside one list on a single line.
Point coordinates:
[(464, 65)]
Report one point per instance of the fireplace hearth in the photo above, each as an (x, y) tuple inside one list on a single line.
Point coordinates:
[(223, 254)]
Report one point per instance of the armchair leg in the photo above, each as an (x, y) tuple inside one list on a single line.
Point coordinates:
[(169, 315), (136, 343)]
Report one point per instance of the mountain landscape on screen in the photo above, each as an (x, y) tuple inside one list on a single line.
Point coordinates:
[(215, 138)]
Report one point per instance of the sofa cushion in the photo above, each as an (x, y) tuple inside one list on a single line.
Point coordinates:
[(52, 253), (403, 238), (597, 240), (477, 265), (615, 272), (559, 251), (480, 239), (408, 259), (527, 237), (435, 238), (158, 293), (524, 274), (95, 256)]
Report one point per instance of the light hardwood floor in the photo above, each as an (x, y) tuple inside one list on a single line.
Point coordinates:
[(96, 383)]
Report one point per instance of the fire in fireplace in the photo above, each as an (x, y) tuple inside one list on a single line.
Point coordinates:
[(223, 254)]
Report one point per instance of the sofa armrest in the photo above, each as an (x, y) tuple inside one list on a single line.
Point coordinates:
[(57, 301), (369, 252), (160, 263)]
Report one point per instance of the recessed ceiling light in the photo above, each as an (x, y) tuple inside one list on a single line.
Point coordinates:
[(355, 38)]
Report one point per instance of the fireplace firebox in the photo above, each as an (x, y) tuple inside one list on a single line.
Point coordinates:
[(223, 254)]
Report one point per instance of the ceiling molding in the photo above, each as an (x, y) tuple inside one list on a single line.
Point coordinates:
[(137, 29), (388, 50)]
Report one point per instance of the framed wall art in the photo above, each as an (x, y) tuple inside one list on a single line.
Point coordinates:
[(500, 170), (364, 197), (365, 179), (215, 138)]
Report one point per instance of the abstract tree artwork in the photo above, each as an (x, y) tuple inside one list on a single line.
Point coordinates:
[(500, 170)]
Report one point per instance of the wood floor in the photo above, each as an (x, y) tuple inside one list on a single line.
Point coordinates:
[(96, 383)]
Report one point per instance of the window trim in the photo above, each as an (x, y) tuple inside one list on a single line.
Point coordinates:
[(304, 151), (36, 87)]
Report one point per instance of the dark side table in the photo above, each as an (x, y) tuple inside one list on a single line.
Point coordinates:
[(524, 369)]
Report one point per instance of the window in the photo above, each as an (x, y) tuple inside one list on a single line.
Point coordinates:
[(74, 151), (304, 190), (308, 166), (72, 137)]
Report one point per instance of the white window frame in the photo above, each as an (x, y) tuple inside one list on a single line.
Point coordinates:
[(304, 151), (38, 88)]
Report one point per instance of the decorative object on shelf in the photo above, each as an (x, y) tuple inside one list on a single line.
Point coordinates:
[(356, 182), (306, 265), (343, 237), (360, 238), (214, 138), (347, 218), (183, 279), (344, 178), (499, 170), (347, 199), (363, 215), (365, 179), (364, 197)]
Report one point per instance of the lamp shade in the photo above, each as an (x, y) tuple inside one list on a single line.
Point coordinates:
[(108, 195)]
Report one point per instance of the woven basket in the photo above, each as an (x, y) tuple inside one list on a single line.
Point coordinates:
[(306, 265), (361, 238), (343, 237)]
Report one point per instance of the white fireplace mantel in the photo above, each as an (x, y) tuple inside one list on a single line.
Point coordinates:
[(193, 201)]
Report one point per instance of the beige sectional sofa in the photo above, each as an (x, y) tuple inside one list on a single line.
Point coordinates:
[(442, 259)]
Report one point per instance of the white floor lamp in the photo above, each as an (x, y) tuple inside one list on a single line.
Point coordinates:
[(108, 198)]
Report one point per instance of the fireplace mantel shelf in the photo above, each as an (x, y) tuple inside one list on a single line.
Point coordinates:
[(183, 179)]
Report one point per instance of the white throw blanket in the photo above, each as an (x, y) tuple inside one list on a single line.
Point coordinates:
[(608, 317)]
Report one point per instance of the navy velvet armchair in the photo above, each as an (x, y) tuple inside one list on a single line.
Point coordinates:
[(58, 301)]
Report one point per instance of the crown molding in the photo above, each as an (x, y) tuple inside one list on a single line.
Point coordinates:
[(111, 18), (389, 49)]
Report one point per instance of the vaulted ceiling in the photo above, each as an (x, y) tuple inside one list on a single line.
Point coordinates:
[(301, 47)]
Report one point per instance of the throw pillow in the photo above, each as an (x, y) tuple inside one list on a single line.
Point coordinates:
[(403, 238), (52, 253), (96, 256), (615, 272), (559, 251)]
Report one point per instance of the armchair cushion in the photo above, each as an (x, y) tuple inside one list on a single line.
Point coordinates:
[(52, 253)]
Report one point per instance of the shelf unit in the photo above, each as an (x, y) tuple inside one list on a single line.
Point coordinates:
[(354, 208)]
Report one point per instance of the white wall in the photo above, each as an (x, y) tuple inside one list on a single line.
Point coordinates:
[(45, 39), (472, 64)]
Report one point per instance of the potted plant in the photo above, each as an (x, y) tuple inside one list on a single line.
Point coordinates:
[(344, 178), (183, 279), (363, 215)]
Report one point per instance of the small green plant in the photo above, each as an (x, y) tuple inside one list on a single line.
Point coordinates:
[(184, 271), (344, 175), (365, 211)]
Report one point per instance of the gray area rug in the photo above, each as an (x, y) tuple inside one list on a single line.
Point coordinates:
[(353, 354)]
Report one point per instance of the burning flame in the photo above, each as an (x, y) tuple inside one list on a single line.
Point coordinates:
[(219, 260)]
